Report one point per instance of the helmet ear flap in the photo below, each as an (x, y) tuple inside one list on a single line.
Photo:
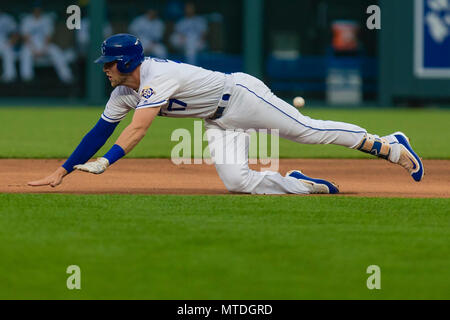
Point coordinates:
[(128, 63), (123, 65)]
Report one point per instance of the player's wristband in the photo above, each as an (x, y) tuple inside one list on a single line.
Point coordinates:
[(115, 153), (91, 143)]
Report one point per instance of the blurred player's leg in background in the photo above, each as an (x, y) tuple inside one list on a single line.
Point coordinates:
[(8, 55), (159, 50), (177, 41), (59, 61), (190, 46), (193, 45), (26, 63)]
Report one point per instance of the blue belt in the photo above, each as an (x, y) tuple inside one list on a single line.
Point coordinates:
[(226, 94), (219, 110)]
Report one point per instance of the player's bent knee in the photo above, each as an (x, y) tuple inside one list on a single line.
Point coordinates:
[(237, 186), (235, 180)]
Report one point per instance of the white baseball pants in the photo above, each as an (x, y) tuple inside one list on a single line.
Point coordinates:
[(253, 106), (56, 56), (191, 44), (8, 57)]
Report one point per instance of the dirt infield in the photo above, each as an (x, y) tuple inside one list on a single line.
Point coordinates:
[(371, 178)]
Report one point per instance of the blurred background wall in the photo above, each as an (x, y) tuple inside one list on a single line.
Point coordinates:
[(319, 49)]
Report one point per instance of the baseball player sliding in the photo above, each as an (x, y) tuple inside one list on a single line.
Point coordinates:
[(228, 103)]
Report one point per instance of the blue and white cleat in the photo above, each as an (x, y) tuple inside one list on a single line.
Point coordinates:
[(318, 185), (408, 158)]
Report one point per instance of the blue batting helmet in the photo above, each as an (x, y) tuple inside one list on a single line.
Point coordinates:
[(124, 48)]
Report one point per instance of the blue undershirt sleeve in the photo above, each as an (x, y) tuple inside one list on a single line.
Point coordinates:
[(90, 144), (114, 154)]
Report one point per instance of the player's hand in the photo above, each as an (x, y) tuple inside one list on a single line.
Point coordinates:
[(98, 166), (52, 180)]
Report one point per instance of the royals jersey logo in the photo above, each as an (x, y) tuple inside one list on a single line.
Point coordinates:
[(147, 92)]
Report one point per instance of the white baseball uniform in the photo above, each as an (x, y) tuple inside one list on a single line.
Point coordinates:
[(150, 32), (7, 26), (183, 90), (38, 30), (188, 35)]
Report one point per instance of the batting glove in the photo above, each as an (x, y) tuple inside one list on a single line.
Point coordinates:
[(97, 167)]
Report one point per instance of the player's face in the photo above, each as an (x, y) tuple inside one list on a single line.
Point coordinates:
[(115, 77)]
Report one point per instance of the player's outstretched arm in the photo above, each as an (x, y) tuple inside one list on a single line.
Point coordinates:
[(127, 140), (131, 135), (52, 180), (90, 144)]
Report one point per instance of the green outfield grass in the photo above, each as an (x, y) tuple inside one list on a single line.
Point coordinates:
[(220, 247), (223, 247), (55, 132)]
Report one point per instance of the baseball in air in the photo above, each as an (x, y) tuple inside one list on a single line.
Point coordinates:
[(299, 102)]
